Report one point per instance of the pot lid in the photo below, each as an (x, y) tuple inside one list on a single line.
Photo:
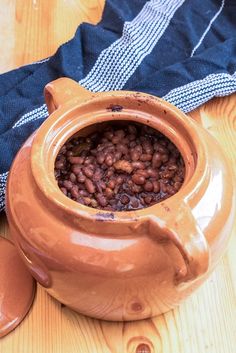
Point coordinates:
[(16, 288)]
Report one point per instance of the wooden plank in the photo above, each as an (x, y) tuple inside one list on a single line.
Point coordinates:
[(203, 323), (7, 34)]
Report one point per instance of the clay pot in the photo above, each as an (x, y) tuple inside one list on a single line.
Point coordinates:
[(119, 265)]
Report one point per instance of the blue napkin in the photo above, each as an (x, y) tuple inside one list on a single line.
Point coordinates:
[(183, 51)]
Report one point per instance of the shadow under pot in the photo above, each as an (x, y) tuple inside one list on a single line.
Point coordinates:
[(115, 260)]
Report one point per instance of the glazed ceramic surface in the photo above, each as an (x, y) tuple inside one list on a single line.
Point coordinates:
[(119, 265), (16, 288)]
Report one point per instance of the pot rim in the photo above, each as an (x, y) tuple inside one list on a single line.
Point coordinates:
[(58, 128)]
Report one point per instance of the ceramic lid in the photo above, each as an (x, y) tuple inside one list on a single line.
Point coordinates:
[(16, 288)]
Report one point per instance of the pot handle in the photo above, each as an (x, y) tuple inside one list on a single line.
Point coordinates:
[(62, 90), (187, 236)]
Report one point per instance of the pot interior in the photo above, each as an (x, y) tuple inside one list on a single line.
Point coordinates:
[(100, 169)]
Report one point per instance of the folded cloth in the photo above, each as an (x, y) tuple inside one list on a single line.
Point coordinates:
[(183, 51)]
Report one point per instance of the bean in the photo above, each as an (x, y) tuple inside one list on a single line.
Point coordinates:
[(110, 172), (145, 157), (97, 175), (116, 139), (63, 149), (116, 189), (83, 193), (122, 148), (94, 203), (119, 180), (138, 179), (177, 178), (88, 171), (142, 172), (90, 186), (76, 169), (76, 160), (152, 172), (109, 193), (165, 158), (87, 201), (136, 189), (64, 190), (81, 200), (156, 160), (59, 164), (102, 184), (89, 161), (172, 167), (147, 147), (117, 156), (111, 184), (125, 140), (69, 153), (170, 190), (120, 133), (134, 156), (132, 129), (162, 150), (124, 199), (138, 165), (81, 178), (138, 149), (72, 177), (102, 200), (57, 173), (100, 158), (148, 199), (109, 160), (93, 152), (108, 208), (67, 184), (109, 135), (135, 203), (131, 137), (74, 191), (148, 186), (132, 144), (156, 186), (177, 185), (163, 186)]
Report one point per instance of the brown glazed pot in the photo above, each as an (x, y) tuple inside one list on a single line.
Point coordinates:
[(122, 265)]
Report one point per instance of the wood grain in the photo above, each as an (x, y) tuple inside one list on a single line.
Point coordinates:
[(32, 30)]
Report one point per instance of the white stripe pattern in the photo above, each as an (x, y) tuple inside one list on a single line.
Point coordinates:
[(38, 113), (193, 94), (208, 28), (3, 181), (117, 63)]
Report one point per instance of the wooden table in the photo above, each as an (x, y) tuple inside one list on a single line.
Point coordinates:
[(31, 30)]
